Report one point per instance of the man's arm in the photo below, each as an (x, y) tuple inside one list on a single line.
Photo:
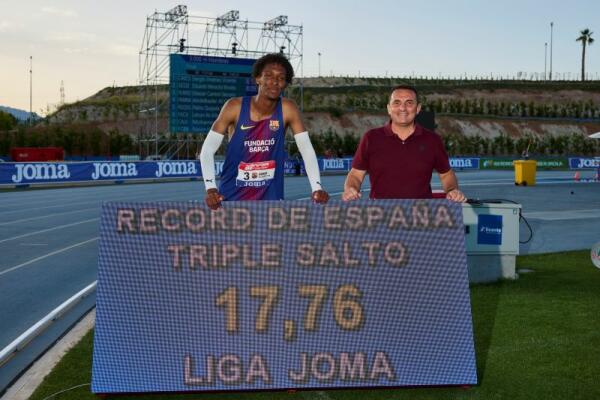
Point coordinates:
[(211, 144), (352, 185), (450, 186), (307, 151)]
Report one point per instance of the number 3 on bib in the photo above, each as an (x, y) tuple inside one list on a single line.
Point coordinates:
[(256, 173)]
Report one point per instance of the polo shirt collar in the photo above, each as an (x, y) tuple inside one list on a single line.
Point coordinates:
[(388, 129)]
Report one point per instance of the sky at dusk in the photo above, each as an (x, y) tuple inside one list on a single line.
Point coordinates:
[(91, 45)]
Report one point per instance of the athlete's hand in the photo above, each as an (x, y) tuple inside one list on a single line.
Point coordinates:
[(456, 195), (350, 194), (213, 199), (320, 196)]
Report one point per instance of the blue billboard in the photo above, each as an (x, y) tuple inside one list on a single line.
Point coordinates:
[(464, 162), (62, 172), (335, 164), (584, 163), (282, 294), (200, 85)]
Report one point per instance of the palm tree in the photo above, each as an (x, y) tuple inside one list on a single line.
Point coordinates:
[(585, 39)]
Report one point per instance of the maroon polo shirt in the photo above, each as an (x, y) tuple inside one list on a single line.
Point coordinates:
[(401, 169)]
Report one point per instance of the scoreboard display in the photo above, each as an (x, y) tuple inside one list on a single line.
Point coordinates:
[(282, 294), (200, 85)]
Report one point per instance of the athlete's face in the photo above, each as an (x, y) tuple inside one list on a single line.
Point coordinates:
[(403, 107), (271, 81)]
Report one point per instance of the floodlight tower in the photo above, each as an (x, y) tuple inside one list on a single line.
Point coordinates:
[(163, 35), (225, 36), (276, 22), (274, 35), (278, 36)]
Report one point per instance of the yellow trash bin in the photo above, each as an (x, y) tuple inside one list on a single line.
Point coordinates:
[(525, 172)]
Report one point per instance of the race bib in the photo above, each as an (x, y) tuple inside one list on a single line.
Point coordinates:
[(255, 174)]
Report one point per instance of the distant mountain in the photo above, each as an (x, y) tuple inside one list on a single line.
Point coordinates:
[(21, 115)]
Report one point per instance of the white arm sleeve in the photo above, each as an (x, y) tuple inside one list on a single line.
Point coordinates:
[(310, 160), (207, 158)]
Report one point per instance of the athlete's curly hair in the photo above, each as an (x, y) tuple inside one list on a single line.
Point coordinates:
[(273, 58)]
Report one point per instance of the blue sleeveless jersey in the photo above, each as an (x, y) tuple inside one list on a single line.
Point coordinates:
[(253, 167)]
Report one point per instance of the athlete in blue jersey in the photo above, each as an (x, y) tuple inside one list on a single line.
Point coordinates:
[(254, 163)]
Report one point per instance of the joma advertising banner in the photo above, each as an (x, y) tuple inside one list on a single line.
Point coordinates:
[(335, 164), (584, 163), (60, 172), (282, 294), (464, 162)]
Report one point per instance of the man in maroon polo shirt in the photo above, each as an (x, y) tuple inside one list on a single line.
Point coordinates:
[(400, 157)]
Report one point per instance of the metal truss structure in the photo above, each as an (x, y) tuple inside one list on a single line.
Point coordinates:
[(175, 32)]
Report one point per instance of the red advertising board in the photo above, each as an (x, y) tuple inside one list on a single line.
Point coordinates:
[(30, 154)]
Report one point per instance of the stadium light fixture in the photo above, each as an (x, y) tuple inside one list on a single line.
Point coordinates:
[(176, 13), (276, 22), (228, 18)]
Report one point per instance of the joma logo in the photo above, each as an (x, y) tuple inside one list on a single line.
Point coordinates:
[(114, 170), (176, 168), (40, 171)]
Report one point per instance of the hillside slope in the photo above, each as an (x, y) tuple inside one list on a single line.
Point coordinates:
[(354, 105)]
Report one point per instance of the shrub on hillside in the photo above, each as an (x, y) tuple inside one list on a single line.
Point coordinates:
[(7, 121)]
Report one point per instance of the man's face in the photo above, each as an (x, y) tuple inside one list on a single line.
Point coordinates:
[(403, 107), (271, 81)]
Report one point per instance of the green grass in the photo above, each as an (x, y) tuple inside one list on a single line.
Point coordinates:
[(536, 338)]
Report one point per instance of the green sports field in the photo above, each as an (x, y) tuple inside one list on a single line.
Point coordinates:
[(536, 338)]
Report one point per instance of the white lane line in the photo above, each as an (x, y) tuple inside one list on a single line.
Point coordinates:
[(91, 196), (47, 255), (486, 182), (563, 215), (46, 216), (508, 183), (499, 182), (134, 197), (55, 206), (462, 181), (49, 229), (47, 200), (76, 211), (95, 201)]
